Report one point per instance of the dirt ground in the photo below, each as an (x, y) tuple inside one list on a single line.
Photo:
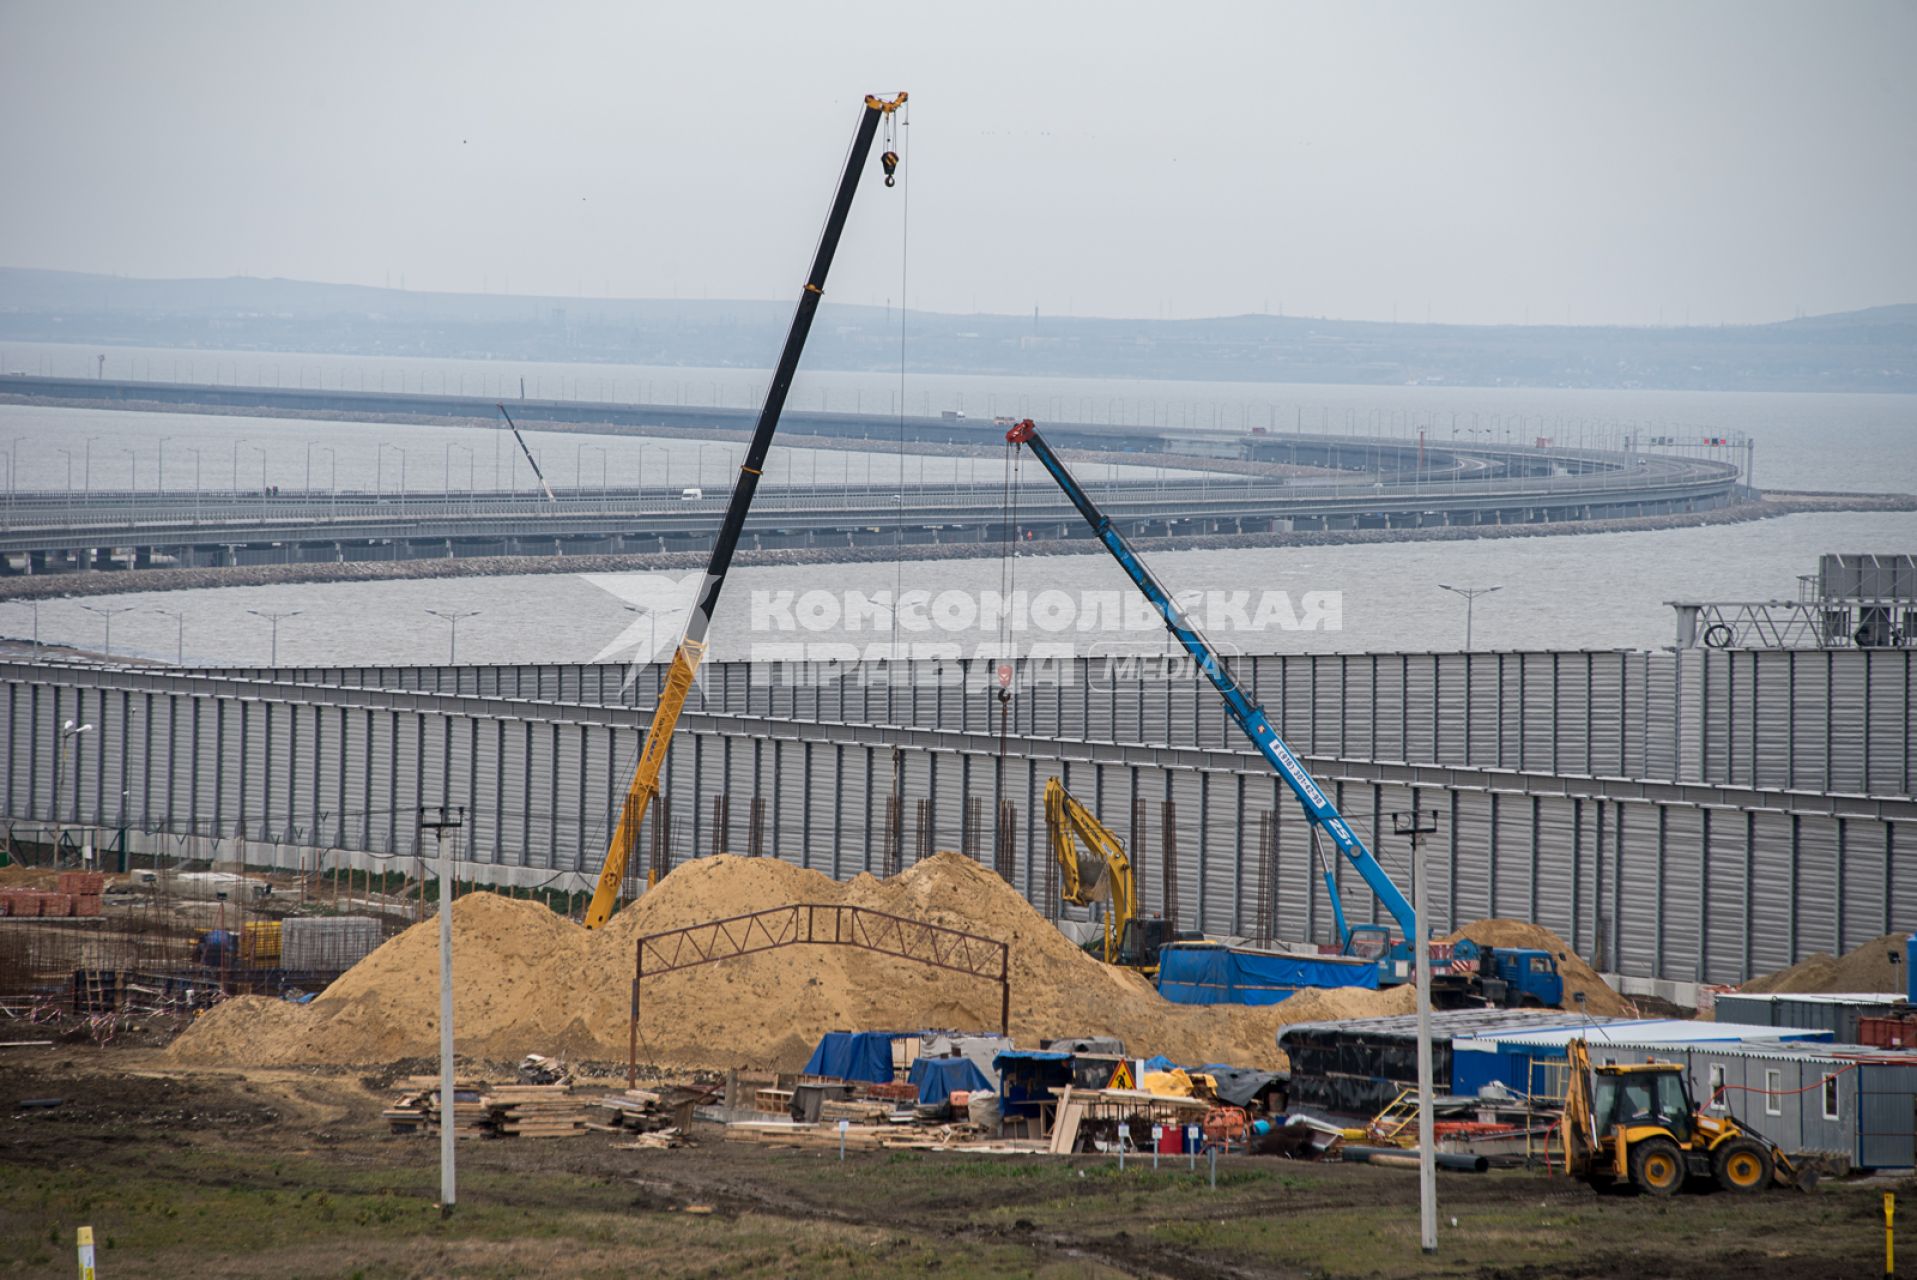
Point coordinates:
[(213, 1173)]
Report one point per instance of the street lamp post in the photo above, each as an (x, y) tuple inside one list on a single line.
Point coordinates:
[(179, 646), (274, 617), (68, 732), (1470, 595), (452, 617), (236, 464), (652, 628), (106, 612)]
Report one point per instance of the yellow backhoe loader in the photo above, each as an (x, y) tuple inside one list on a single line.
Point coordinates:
[(1636, 1124)]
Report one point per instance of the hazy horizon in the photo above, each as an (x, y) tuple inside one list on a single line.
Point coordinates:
[(1489, 162)]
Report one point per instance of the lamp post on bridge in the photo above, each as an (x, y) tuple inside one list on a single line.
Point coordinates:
[(452, 617), (1470, 595), (274, 617), (105, 612)]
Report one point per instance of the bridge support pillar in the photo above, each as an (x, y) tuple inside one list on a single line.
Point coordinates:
[(143, 557), (36, 562)]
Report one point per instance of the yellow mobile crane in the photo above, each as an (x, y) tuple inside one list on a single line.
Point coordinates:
[(1106, 873), (692, 646)]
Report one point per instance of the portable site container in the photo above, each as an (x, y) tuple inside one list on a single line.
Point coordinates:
[(1850, 1101), (1839, 1014)]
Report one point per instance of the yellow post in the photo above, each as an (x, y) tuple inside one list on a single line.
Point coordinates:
[(85, 1241), (1890, 1254)]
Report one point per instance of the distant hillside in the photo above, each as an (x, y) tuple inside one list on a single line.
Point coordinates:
[(1870, 350)]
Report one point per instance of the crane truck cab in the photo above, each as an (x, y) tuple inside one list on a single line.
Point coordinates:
[(1465, 974)]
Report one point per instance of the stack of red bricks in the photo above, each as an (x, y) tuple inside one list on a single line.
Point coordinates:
[(78, 895)]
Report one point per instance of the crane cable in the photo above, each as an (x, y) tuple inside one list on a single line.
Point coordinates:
[(890, 162)]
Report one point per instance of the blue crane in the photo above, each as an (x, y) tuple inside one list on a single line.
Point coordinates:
[(1245, 713)]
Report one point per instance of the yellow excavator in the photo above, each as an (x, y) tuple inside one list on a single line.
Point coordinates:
[(1092, 867), (692, 646), (1636, 1125)]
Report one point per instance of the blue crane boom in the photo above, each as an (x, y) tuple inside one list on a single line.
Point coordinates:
[(1246, 714)]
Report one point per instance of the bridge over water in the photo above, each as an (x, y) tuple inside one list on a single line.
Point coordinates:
[(1393, 483)]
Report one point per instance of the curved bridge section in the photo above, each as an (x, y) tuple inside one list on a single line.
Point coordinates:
[(1393, 484)]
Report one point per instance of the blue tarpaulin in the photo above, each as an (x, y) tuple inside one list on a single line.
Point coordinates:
[(1200, 973), (1026, 1077), (853, 1055), (938, 1078)]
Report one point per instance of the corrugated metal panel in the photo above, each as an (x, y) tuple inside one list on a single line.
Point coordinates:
[(1390, 709), (1421, 708), (1357, 673), (1509, 821), (1451, 740), (1888, 699), (1818, 887), (1809, 761), (1682, 894), (1478, 864), (1640, 894), (1727, 892), (1329, 729), (1538, 673), (1774, 886), (1848, 717), (1551, 822)]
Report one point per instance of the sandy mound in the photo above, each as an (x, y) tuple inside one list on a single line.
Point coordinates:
[(1876, 966), (529, 981), (1334, 1004), (1599, 998)]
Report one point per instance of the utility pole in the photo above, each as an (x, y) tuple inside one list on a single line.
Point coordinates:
[(447, 821), (1470, 595), (1417, 824)]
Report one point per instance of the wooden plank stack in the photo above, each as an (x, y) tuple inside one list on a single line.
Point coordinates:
[(482, 1110), (417, 1109), (857, 1110), (535, 1110)]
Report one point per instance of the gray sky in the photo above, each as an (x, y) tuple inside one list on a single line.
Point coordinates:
[(1721, 160)]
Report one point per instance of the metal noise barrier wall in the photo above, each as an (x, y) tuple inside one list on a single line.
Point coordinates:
[(1686, 879), (1817, 720)]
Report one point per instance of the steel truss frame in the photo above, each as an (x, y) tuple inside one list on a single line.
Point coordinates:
[(822, 924)]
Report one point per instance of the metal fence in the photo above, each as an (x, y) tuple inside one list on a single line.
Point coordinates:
[(1796, 720), (1659, 878)]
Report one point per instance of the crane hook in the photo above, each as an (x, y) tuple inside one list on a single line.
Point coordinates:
[(890, 160)]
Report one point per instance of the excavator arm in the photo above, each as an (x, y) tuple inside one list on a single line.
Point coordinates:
[(1071, 827), (692, 647)]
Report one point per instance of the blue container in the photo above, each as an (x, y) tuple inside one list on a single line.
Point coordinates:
[(1910, 968)]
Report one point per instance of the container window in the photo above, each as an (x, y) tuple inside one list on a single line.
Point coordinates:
[(1773, 1092), (1717, 1101), (1830, 1097)]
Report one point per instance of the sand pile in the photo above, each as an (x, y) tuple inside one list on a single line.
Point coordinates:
[(530, 981), (1877, 966), (1599, 998)]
